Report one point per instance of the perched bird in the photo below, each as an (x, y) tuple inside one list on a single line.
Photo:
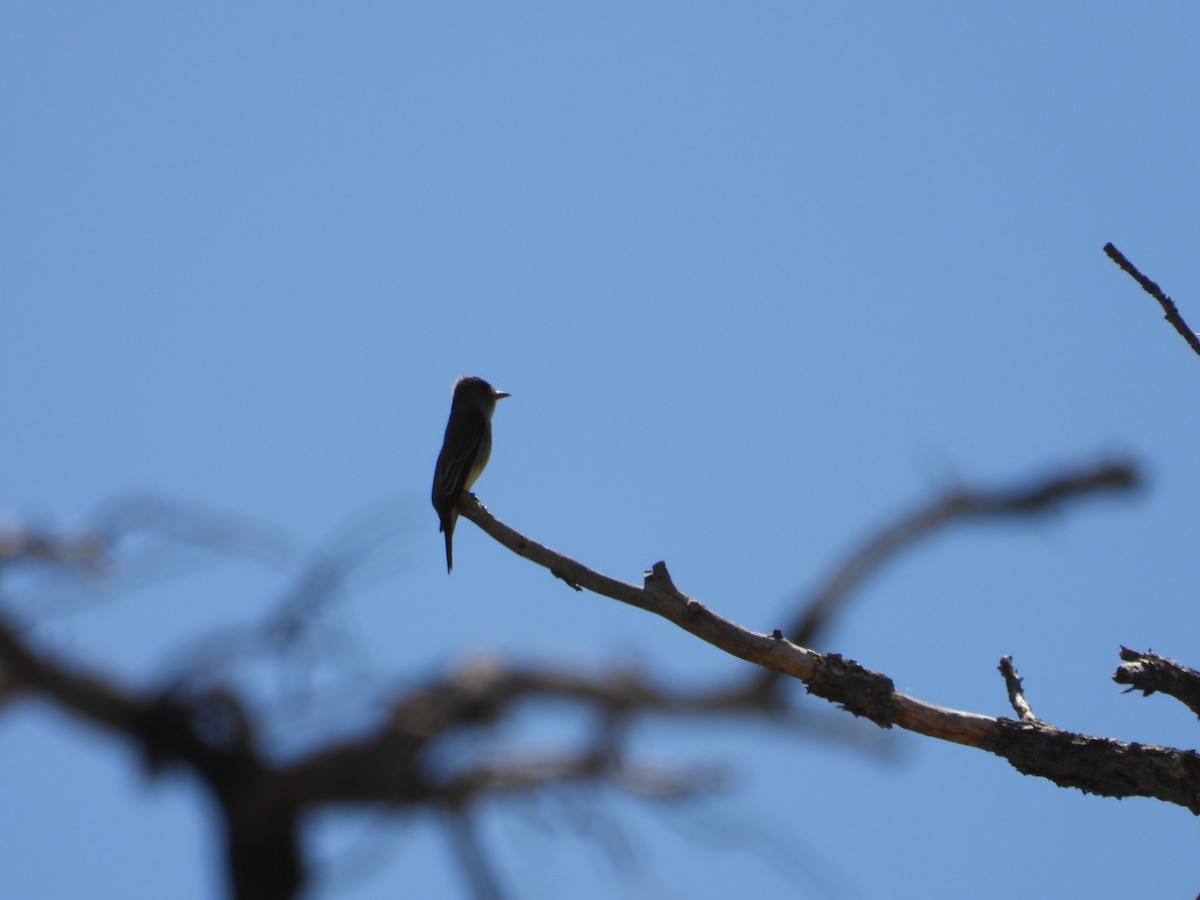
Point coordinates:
[(465, 450)]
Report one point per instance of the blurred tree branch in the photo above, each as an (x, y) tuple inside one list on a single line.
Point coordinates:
[(1040, 497), (200, 722)]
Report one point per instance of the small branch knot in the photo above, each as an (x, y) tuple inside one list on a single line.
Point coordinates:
[(658, 580), (859, 690)]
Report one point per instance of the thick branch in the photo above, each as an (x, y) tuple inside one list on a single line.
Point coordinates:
[(87, 696), (1168, 305), (1148, 672), (1096, 765), (263, 801), (262, 851)]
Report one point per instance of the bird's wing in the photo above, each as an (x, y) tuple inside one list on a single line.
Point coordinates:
[(464, 433)]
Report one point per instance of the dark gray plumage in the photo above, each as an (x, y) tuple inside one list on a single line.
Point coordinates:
[(465, 450)]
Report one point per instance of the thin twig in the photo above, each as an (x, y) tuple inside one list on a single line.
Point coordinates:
[(481, 875), (1016, 696), (1168, 305)]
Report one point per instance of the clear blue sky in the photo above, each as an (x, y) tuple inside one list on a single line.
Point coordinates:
[(757, 276)]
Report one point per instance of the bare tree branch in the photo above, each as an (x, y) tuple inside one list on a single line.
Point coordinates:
[(1168, 305), (394, 765), (1096, 765), (20, 544), (89, 697), (263, 850), (203, 726), (1016, 696), (1148, 672)]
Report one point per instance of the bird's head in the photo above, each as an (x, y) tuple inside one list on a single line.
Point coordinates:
[(472, 389)]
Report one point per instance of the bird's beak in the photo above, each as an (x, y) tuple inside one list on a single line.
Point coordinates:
[(500, 395)]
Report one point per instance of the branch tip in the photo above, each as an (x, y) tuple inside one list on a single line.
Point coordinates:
[(1170, 310), (1150, 673), (1016, 695)]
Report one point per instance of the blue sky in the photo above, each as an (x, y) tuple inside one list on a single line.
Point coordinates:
[(757, 278)]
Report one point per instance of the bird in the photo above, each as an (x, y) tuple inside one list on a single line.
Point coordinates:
[(465, 450)]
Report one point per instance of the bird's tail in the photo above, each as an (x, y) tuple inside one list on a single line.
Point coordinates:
[(448, 528)]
